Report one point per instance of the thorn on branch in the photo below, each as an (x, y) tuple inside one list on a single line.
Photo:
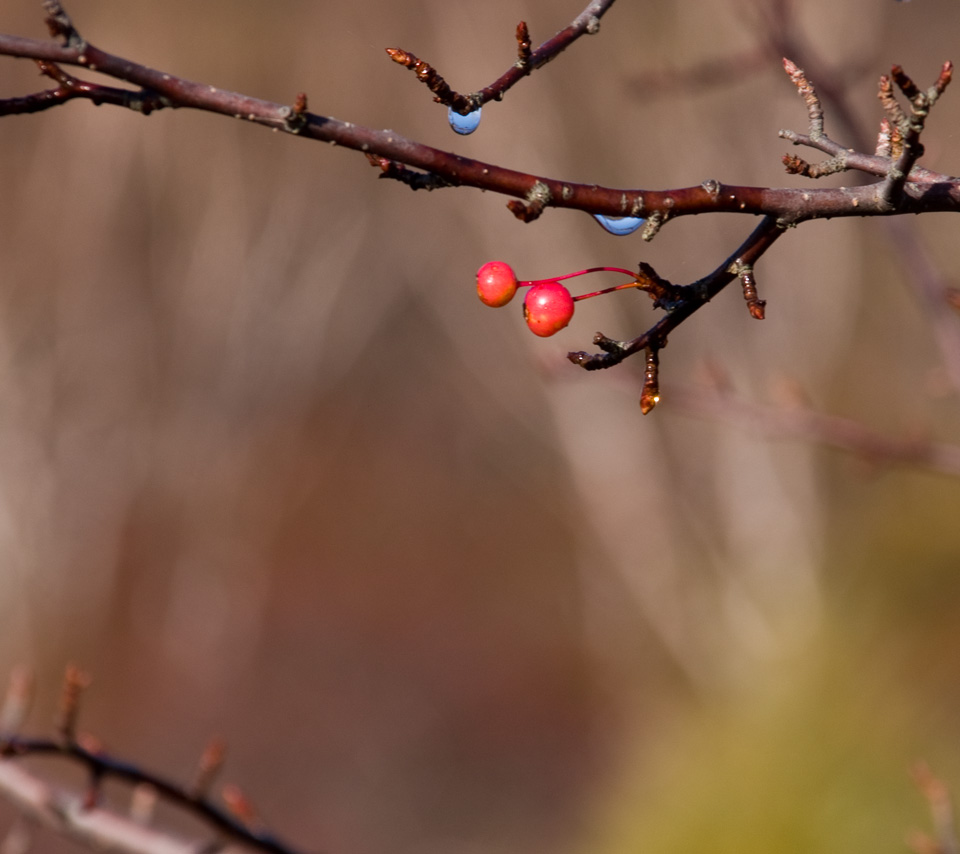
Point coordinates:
[(413, 179), (427, 74), (614, 352), (211, 761), (59, 24), (652, 226), (75, 682), (16, 704), (241, 807), (650, 394), (798, 166), (537, 198), (143, 803), (295, 117), (664, 293), (523, 45)]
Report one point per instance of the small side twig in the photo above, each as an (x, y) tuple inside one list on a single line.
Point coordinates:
[(910, 126), (809, 95), (429, 76), (16, 703), (75, 682), (650, 393), (523, 44), (755, 305), (59, 24), (586, 23), (211, 761), (686, 300), (70, 87), (537, 198), (798, 166), (411, 177)]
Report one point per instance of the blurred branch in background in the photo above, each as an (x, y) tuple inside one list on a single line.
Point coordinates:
[(796, 420), (782, 35)]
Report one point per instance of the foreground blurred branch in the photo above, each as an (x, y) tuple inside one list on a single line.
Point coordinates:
[(81, 817)]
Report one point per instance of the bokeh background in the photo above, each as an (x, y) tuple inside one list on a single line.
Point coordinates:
[(268, 470)]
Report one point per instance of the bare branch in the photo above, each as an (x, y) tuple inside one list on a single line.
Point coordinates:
[(926, 191)]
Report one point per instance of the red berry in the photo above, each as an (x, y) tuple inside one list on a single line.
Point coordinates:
[(547, 308), (496, 283)]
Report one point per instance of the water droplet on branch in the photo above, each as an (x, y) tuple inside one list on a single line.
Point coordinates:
[(620, 225), (464, 124)]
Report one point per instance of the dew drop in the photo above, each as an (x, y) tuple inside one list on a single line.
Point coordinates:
[(620, 225), (464, 124)]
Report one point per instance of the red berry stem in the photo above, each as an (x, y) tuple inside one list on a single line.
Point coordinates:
[(633, 284), (579, 273)]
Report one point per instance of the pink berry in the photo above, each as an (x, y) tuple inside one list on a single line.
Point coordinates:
[(547, 308), (496, 283)]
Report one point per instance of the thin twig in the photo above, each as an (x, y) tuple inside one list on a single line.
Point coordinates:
[(692, 297), (586, 23), (796, 422)]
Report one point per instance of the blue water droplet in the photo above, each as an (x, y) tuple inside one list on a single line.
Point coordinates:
[(620, 225), (464, 124)]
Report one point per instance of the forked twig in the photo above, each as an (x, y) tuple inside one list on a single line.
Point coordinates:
[(586, 23)]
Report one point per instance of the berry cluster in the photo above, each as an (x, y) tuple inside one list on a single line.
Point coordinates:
[(548, 305)]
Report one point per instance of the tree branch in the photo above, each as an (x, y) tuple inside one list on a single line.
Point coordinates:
[(925, 191), (904, 187)]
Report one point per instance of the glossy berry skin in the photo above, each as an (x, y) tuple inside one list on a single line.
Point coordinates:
[(496, 284), (547, 308)]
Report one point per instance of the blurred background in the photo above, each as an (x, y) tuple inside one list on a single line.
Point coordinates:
[(269, 470)]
